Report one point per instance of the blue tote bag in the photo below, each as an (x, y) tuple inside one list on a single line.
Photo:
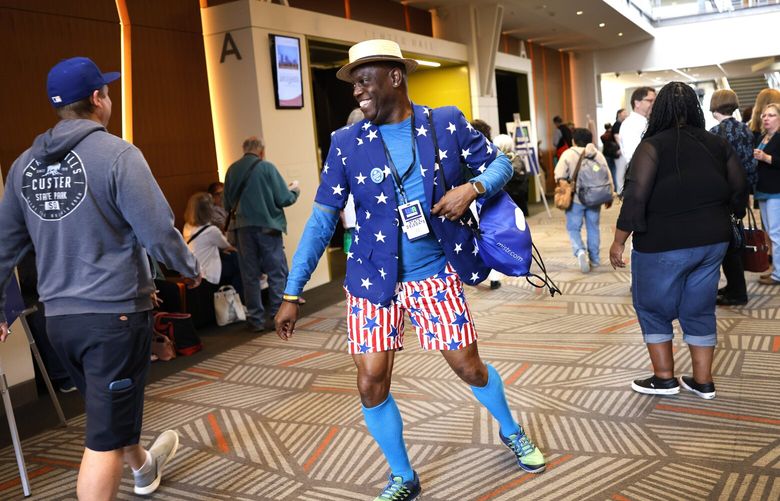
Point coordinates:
[(504, 238)]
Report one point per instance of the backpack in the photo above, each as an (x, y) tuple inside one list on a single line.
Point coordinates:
[(611, 147), (593, 185)]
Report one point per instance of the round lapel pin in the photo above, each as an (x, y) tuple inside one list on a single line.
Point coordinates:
[(377, 175)]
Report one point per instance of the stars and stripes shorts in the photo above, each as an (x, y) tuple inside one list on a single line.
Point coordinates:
[(437, 309)]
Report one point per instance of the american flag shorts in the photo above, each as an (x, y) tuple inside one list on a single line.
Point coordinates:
[(437, 308)]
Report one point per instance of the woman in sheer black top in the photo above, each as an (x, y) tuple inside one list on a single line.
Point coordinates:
[(684, 183)]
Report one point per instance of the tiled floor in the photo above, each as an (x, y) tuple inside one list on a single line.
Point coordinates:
[(271, 420)]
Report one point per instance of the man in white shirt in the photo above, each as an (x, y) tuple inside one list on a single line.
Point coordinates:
[(633, 127)]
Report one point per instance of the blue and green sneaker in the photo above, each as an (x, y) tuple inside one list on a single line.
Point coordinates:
[(529, 457), (398, 490)]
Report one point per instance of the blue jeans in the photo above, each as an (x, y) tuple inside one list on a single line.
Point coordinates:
[(678, 284), (770, 217), (574, 217), (260, 253)]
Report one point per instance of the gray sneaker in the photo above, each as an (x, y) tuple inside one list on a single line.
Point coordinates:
[(162, 450), (582, 258)]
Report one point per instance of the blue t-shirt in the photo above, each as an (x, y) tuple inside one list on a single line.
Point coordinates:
[(423, 257)]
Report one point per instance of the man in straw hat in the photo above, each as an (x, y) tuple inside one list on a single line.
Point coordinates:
[(411, 249), (88, 203)]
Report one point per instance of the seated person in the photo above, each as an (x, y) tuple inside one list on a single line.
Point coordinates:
[(207, 242), (218, 213)]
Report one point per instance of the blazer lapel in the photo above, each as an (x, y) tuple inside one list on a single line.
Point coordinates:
[(425, 150)]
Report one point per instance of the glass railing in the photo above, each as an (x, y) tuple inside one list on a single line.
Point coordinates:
[(662, 10)]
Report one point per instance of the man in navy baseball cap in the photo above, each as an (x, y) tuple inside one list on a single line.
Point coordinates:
[(79, 177), (75, 79)]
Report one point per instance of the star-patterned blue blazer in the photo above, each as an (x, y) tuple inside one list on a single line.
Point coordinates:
[(356, 151)]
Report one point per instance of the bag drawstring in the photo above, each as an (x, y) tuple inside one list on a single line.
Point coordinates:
[(546, 280)]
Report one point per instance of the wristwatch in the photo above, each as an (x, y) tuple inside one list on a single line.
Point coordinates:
[(478, 187)]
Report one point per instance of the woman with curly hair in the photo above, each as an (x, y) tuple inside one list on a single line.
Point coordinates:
[(683, 186)]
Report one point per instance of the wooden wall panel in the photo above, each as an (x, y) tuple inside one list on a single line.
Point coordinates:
[(552, 96), (178, 15), (381, 12), (171, 108), (32, 40), (420, 21), (96, 10), (329, 7)]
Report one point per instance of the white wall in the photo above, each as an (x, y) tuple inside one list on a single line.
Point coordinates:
[(680, 46), (702, 43)]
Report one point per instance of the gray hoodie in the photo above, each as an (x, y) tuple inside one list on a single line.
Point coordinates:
[(88, 203)]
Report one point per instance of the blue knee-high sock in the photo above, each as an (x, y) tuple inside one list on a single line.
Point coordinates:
[(493, 398), (385, 425)]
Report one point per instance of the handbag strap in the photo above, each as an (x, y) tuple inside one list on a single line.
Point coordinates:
[(241, 188), (193, 237), (577, 169), (436, 149), (467, 218), (752, 225)]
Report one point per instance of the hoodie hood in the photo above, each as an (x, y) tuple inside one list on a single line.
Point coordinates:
[(55, 143), (590, 151)]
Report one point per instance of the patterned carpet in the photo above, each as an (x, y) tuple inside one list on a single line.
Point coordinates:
[(270, 420)]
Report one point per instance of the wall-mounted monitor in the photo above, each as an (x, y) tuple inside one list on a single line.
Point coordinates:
[(286, 64)]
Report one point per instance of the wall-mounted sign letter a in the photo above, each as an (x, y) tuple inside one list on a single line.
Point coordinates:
[(229, 47)]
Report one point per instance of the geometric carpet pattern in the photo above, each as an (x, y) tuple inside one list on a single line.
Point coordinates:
[(274, 420)]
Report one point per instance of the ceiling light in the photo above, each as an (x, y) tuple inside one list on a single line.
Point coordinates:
[(601, 25), (620, 34), (579, 12), (432, 64)]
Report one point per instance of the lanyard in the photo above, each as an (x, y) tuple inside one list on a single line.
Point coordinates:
[(398, 179)]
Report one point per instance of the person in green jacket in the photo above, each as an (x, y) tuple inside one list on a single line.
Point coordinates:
[(257, 194)]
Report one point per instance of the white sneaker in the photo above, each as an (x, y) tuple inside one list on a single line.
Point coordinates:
[(582, 257), (162, 450)]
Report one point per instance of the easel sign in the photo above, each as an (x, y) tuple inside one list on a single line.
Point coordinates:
[(526, 147), (14, 308)]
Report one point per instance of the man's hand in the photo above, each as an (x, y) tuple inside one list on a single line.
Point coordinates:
[(616, 254), (285, 320), (455, 202), (156, 301), (193, 282), (4, 332)]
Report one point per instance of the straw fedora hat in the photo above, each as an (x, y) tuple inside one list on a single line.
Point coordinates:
[(370, 51)]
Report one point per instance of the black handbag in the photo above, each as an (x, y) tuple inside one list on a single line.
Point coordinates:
[(737, 241)]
